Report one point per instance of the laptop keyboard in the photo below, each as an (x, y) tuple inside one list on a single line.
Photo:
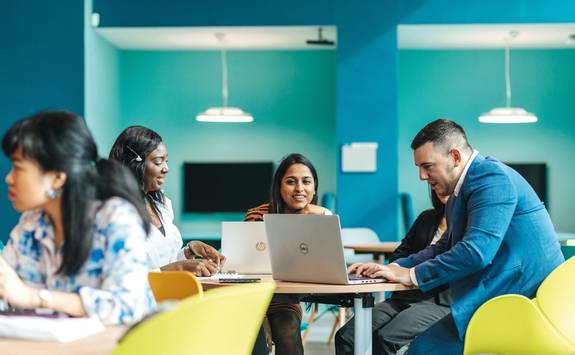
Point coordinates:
[(354, 277)]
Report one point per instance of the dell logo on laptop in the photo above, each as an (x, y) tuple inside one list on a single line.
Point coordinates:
[(303, 248), (260, 246)]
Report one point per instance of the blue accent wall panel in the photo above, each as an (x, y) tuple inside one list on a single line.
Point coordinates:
[(366, 112), (41, 67)]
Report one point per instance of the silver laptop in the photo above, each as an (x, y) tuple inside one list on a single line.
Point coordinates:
[(245, 246), (308, 248)]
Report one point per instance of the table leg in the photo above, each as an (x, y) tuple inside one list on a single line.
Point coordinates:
[(363, 305), (383, 259)]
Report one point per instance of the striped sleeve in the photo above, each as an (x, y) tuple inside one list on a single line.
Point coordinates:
[(256, 214)]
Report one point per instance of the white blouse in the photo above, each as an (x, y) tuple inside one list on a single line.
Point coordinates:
[(161, 249)]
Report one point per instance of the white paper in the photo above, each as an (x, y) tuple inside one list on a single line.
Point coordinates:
[(223, 275), (48, 329)]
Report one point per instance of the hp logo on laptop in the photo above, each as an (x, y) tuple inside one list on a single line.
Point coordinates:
[(260, 246), (303, 248)]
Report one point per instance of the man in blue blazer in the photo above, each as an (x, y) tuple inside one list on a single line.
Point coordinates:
[(499, 236)]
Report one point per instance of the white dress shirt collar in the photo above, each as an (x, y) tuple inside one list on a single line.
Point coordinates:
[(464, 173)]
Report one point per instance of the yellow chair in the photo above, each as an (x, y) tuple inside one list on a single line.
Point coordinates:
[(174, 285), (224, 321), (514, 324), (556, 299)]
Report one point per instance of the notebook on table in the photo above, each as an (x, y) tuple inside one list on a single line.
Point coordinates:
[(43, 327), (308, 248)]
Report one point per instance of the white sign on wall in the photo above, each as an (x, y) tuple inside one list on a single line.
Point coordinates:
[(359, 157)]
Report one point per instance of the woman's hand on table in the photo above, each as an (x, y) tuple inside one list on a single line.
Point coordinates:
[(13, 289), (197, 248), (199, 267)]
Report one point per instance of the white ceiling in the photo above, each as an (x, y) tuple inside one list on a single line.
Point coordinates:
[(485, 36), (199, 38), (472, 36)]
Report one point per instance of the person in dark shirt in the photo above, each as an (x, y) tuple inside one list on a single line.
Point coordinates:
[(399, 319)]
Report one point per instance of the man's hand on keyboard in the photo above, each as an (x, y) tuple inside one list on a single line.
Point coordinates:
[(392, 273), (363, 269)]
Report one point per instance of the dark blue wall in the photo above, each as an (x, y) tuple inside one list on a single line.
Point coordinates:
[(41, 66), (130, 13)]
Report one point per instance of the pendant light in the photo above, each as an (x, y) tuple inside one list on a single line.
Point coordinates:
[(224, 113), (508, 114)]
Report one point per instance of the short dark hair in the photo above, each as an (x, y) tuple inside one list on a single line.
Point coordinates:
[(277, 204), (131, 148), (61, 141), (442, 133)]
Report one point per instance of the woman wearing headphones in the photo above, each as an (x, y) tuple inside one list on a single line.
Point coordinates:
[(144, 153)]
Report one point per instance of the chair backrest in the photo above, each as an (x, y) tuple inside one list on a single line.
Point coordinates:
[(556, 299), (512, 325), (328, 201), (406, 211), (173, 285), (225, 320), (358, 236)]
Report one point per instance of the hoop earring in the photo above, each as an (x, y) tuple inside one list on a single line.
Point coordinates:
[(53, 193)]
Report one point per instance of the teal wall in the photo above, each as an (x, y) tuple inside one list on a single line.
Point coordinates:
[(101, 86), (291, 94), (461, 84)]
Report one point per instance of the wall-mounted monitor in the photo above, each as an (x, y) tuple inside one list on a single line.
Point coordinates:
[(226, 187), (536, 176)]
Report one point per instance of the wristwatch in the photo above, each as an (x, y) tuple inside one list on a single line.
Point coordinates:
[(45, 298)]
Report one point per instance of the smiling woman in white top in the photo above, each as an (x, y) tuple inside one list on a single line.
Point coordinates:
[(144, 153)]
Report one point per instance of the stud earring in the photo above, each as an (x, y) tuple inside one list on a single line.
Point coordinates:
[(53, 193)]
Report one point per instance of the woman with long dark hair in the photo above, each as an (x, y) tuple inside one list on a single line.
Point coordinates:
[(293, 190), (145, 154), (79, 245)]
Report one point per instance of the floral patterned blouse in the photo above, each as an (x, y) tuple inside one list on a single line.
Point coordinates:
[(112, 283)]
